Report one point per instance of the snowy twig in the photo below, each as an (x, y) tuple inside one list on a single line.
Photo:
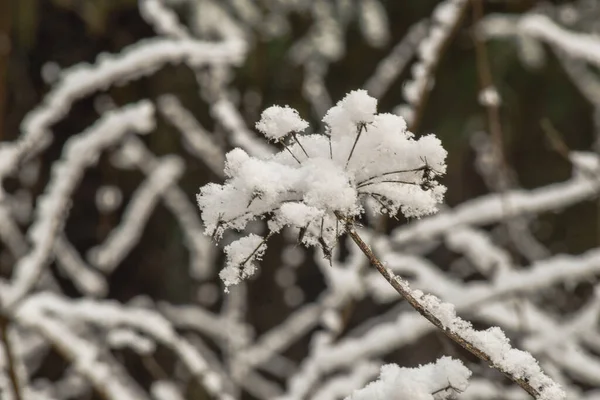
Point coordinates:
[(488, 209), (530, 377), (443, 378), (10, 357), (446, 20), (392, 66), (197, 139), (119, 242), (143, 58), (80, 152)]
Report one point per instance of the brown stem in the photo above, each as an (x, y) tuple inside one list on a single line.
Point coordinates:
[(261, 244), (446, 388), (154, 368), (300, 144), (361, 126), (556, 140), (403, 289), (486, 82), (290, 151), (559, 145), (387, 181), (10, 358), (5, 48), (422, 168)]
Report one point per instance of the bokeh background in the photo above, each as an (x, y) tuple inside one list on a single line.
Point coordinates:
[(39, 36)]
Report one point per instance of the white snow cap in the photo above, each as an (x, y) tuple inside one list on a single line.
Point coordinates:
[(356, 108), (241, 257), (277, 122), (317, 179), (445, 378)]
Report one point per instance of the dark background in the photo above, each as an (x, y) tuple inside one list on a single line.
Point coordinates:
[(72, 31)]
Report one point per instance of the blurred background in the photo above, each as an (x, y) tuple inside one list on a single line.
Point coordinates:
[(541, 111)]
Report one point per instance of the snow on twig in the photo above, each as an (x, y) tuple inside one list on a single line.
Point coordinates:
[(80, 152), (491, 346), (142, 58)]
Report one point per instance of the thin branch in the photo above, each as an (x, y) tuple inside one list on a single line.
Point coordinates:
[(555, 139), (155, 369), (376, 197), (449, 387), (423, 96), (5, 25), (360, 129), (10, 358), (261, 244), (422, 168), (295, 136), (559, 145), (402, 287), (290, 151), (492, 107), (387, 181)]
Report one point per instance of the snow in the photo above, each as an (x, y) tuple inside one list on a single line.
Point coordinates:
[(241, 256), (316, 178), (277, 122), (496, 346), (444, 378), (298, 215), (357, 107), (80, 152)]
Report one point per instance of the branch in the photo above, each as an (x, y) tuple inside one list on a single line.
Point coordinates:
[(429, 60), (10, 359), (461, 332), (81, 152)]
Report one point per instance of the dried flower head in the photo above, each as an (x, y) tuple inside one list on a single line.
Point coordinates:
[(367, 160)]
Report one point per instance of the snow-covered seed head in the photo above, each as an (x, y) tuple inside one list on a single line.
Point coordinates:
[(241, 259), (356, 108), (369, 161), (277, 122)]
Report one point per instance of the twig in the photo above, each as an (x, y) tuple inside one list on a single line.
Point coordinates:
[(402, 287), (424, 94), (290, 151), (490, 99), (555, 139), (5, 25), (559, 145), (387, 181), (360, 129), (157, 372), (295, 136), (10, 358), (449, 387), (422, 168), (486, 82)]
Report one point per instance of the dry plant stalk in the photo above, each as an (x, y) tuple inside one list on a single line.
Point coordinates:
[(402, 287)]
